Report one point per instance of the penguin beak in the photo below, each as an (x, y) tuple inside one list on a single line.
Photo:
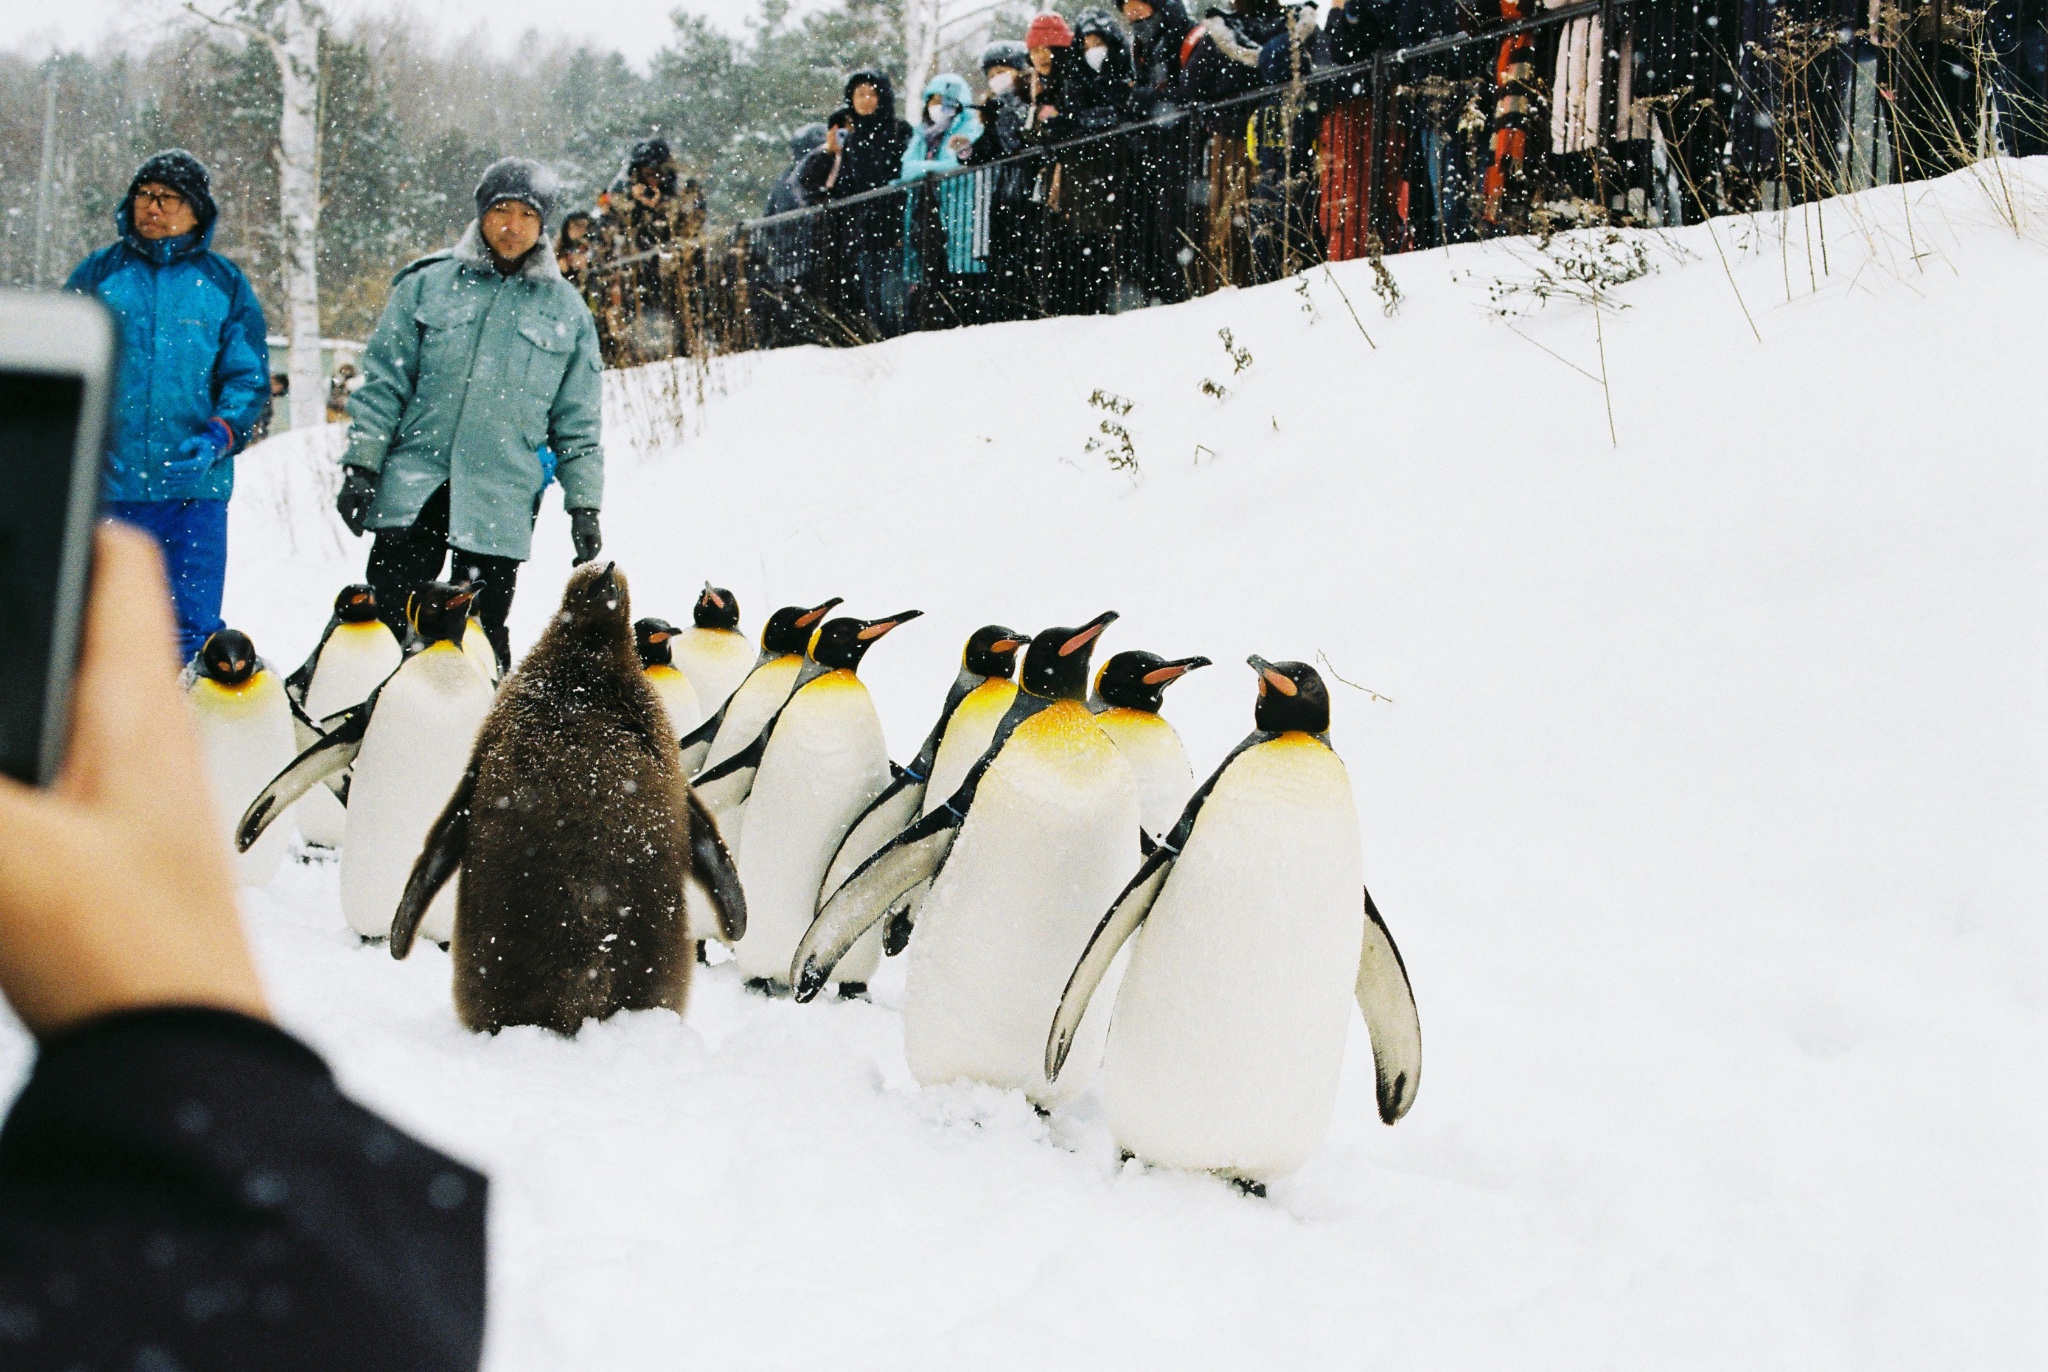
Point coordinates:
[(1007, 645), (464, 593), (662, 637), (1268, 673), (875, 628), (1173, 671), (712, 598), (810, 617), (1089, 633)]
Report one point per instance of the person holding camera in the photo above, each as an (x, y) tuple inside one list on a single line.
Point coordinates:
[(483, 356), (182, 1183), (192, 383)]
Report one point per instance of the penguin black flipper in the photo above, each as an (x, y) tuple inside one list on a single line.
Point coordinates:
[(295, 685), (913, 856), (726, 787), (712, 869), (333, 753), (1388, 1003), (1127, 913), (903, 919), (439, 856), (1104, 944), (887, 815), (696, 745), (873, 890)]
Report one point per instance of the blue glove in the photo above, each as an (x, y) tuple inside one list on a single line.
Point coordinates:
[(197, 454)]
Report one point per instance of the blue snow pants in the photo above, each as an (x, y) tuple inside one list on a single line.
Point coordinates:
[(194, 537)]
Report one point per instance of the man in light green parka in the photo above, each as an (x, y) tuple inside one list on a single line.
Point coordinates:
[(484, 355)]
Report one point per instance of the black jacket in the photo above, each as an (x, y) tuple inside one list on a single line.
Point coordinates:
[(873, 147), (1155, 52), (188, 1188)]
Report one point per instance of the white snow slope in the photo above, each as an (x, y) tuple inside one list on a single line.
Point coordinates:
[(1707, 809)]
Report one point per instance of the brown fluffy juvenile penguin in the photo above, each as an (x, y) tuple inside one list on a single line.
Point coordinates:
[(577, 836)]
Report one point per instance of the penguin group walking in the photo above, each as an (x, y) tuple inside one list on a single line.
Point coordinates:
[(1074, 907)]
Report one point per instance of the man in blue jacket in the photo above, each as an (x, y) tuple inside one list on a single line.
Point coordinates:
[(191, 382)]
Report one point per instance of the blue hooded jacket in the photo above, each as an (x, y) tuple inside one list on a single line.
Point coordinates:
[(191, 349)]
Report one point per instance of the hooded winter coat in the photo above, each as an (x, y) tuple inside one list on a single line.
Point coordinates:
[(873, 148), (468, 374), (1155, 52), (929, 152), (191, 350)]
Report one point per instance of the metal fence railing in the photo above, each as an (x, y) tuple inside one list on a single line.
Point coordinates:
[(1655, 112)]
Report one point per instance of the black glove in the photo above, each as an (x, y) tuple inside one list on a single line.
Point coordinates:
[(583, 532), (358, 493)]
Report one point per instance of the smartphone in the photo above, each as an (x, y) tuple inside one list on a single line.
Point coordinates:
[(56, 363)]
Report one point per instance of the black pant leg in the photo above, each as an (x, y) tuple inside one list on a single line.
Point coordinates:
[(402, 560), (500, 578)]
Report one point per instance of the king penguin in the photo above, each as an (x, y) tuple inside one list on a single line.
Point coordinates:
[(245, 728), (654, 639), (975, 703), (408, 744), (804, 781), (357, 650), (476, 646), (577, 836), (1129, 690), (713, 652), (1220, 1063), (785, 638), (1022, 859)]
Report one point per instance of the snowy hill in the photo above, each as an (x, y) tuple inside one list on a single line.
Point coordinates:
[(1704, 787)]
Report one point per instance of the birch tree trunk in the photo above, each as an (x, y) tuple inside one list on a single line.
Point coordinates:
[(296, 46)]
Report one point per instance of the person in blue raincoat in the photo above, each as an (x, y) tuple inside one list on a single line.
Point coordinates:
[(943, 139), (192, 380)]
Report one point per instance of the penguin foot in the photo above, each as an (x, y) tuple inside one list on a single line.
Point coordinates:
[(1247, 1186), (765, 986), (1124, 1155), (702, 961), (1040, 1111), (442, 946), (370, 940), (853, 990)]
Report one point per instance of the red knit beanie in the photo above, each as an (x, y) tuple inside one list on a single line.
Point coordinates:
[(1048, 31)]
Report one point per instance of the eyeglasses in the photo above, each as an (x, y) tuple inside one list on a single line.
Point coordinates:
[(163, 200)]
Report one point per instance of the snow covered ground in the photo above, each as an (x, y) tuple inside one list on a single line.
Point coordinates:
[(1706, 801)]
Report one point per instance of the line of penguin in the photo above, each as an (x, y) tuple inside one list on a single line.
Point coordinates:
[(1074, 907)]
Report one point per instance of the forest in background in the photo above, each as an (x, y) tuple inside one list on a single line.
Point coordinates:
[(408, 121)]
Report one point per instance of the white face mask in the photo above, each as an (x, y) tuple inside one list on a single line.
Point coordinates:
[(935, 112), (1001, 82), (1095, 57)]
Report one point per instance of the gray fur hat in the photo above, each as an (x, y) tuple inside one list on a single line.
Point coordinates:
[(1005, 52), (518, 178)]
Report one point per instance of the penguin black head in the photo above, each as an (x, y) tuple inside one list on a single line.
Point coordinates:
[(1291, 696), (651, 637), (789, 629), (356, 604), (1056, 663), (439, 612), (227, 657), (992, 652), (844, 642), (717, 608), (1138, 680)]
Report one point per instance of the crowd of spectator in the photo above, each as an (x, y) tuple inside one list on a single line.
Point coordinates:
[(1144, 155)]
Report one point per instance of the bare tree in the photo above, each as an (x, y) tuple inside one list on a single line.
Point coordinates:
[(290, 30)]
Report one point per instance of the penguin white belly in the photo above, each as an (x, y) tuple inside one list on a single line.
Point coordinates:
[(353, 662), (825, 762), (749, 711), (678, 698), (966, 738), (715, 660), (1217, 1061), (1158, 761), (246, 732), (413, 754), (1048, 843)]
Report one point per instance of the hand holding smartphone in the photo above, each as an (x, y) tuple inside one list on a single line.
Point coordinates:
[(56, 359)]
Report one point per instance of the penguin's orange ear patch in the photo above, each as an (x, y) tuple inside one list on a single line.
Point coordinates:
[(1081, 640), (1279, 680)]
